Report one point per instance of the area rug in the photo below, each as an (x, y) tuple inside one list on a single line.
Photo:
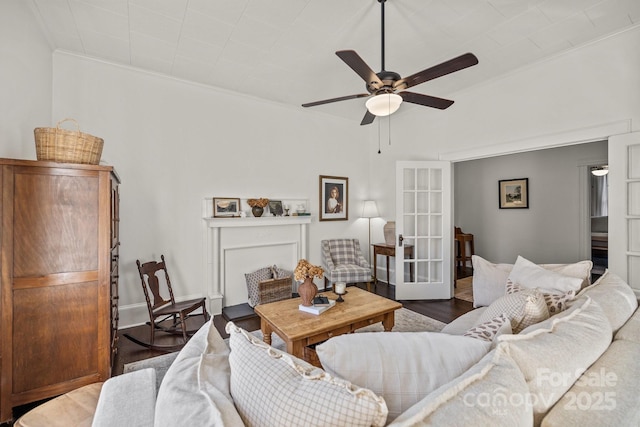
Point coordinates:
[(405, 321), (464, 289)]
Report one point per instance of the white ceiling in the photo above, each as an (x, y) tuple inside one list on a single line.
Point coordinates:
[(283, 50)]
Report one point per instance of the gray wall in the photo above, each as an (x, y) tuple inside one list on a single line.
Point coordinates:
[(547, 232)]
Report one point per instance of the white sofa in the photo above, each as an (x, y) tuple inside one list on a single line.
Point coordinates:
[(578, 367)]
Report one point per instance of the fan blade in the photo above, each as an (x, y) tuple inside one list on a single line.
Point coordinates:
[(357, 64), (342, 98), (426, 100), (447, 67), (367, 119)]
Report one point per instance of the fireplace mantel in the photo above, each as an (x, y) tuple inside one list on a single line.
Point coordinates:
[(224, 238), (264, 221)]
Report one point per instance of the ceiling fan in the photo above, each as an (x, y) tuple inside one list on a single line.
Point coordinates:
[(387, 89)]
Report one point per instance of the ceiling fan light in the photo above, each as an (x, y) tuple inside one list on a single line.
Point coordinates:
[(384, 104)]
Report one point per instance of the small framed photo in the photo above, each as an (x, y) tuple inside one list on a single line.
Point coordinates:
[(334, 198), (514, 193), (275, 207), (226, 207)]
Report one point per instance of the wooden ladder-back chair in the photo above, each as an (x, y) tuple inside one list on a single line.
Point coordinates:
[(166, 315)]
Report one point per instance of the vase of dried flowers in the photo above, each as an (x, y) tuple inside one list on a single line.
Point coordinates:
[(257, 206), (305, 271)]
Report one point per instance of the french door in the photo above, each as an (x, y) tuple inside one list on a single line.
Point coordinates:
[(624, 207), (424, 230)]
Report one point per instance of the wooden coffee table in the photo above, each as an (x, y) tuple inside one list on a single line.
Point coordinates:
[(299, 329)]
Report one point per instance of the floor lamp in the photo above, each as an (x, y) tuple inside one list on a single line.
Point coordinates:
[(369, 210)]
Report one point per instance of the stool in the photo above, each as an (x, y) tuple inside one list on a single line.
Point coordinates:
[(461, 239), (75, 408)]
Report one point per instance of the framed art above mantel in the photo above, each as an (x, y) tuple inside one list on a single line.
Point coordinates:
[(334, 198)]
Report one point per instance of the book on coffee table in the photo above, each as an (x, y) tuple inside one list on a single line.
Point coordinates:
[(314, 309)]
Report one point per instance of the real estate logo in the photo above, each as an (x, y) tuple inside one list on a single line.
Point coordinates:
[(597, 394)]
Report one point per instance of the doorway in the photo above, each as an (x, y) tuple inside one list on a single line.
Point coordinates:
[(599, 218)]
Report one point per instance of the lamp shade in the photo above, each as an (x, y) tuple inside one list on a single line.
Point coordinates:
[(369, 209), (384, 104)]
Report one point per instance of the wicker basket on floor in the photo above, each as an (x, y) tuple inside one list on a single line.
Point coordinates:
[(67, 146), (274, 290)]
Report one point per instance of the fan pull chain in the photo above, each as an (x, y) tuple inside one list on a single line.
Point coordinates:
[(379, 137), (389, 99)]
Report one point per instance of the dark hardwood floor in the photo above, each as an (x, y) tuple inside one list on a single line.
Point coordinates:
[(243, 316)]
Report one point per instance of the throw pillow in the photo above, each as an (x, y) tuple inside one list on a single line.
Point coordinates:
[(527, 274), (402, 367), (615, 297), (252, 283), (195, 389), (489, 331), (273, 388), (522, 308), (553, 354), (492, 393), (555, 302), (488, 280)]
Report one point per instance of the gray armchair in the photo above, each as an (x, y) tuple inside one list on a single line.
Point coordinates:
[(342, 261)]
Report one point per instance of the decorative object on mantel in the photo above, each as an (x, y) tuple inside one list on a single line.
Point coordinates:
[(514, 193), (305, 271), (275, 207), (225, 207), (334, 196), (257, 206), (390, 233)]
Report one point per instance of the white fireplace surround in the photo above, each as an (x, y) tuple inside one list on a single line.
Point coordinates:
[(236, 246)]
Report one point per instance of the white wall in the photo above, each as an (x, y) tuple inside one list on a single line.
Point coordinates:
[(25, 80), (175, 143), (576, 94), (547, 232)]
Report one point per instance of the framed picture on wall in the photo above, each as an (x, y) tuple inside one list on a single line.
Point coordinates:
[(334, 198), (514, 193), (226, 207)]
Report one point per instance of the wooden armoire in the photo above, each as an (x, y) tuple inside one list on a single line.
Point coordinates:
[(58, 278)]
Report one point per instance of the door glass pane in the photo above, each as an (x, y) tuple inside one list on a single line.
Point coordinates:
[(422, 271), (421, 249), (634, 161), (409, 203), (409, 226), (409, 179), (423, 179), (423, 225), (634, 198), (436, 179), (436, 225), (435, 249), (435, 272), (422, 200), (634, 230), (436, 202), (633, 267)]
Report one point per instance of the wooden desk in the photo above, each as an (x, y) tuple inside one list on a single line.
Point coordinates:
[(390, 251), (299, 329)]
